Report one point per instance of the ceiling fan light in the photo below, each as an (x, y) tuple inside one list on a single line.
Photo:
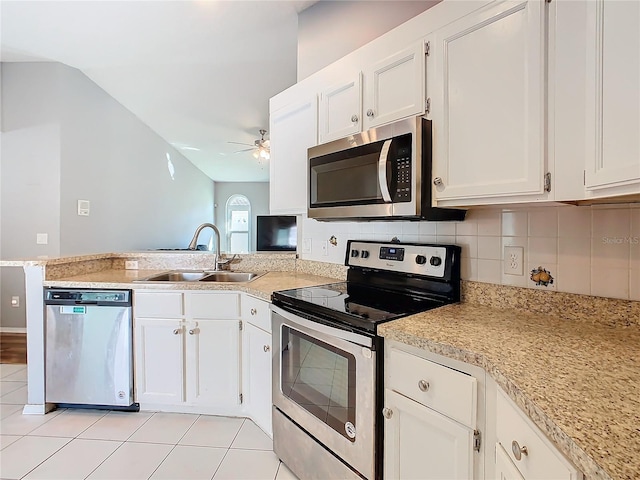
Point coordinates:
[(256, 154), (264, 154)]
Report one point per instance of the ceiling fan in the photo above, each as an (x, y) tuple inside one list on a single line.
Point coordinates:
[(260, 147)]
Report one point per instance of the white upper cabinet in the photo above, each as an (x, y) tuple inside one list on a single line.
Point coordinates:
[(390, 89), (340, 110), (613, 96), (486, 82), (293, 130), (394, 87)]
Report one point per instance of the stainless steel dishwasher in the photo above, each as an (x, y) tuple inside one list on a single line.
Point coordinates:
[(89, 348)]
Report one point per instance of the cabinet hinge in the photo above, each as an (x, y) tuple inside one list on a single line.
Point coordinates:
[(476, 440), (547, 182), (241, 398), (427, 106), (584, 177), (427, 48), (240, 324)]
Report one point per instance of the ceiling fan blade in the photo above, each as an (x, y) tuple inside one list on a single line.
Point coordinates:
[(238, 143), (245, 150)]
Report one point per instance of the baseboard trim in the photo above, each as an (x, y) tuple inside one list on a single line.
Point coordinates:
[(13, 330)]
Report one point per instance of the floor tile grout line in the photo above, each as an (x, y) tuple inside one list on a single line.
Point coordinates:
[(187, 430), (163, 460), (37, 436)]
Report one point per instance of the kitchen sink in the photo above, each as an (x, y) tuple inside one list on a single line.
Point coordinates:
[(199, 276), (229, 277)]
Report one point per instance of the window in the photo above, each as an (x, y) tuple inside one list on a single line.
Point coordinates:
[(238, 221)]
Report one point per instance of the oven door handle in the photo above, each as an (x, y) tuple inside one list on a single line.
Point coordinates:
[(382, 171), (345, 335)]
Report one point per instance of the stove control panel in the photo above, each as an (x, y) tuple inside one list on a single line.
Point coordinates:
[(428, 260)]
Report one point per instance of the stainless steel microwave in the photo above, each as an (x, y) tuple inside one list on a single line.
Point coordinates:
[(383, 173)]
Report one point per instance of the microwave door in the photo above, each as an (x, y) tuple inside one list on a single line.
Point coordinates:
[(382, 171)]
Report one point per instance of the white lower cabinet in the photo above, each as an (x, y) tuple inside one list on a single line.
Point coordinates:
[(421, 443), (213, 363), (256, 348), (505, 469), (431, 427), (159, 366), (187, 361), (529, 454)]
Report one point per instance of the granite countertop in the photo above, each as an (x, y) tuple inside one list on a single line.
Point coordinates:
[(579, 381), (261, 287)]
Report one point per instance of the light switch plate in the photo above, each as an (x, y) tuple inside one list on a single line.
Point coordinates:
[(42, 238), (306, 245), (84, 207)]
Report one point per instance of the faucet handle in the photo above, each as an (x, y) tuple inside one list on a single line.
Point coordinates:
[(225, 264)]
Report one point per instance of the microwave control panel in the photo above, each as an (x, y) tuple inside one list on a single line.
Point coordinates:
[(402, 174)]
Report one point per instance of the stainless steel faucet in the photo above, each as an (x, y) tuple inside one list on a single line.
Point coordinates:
[(194, 241)]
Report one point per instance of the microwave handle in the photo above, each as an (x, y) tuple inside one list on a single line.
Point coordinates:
[(382, 171)]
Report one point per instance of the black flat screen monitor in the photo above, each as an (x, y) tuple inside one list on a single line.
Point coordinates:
[(277, 233)]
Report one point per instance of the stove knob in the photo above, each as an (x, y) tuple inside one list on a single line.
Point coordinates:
[(421, 259), (364, 254), (354, 253), (435, 261)]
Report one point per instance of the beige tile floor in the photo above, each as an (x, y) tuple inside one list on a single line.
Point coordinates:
[(99, 444)]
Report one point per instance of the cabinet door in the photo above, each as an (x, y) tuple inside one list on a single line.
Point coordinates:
[(420, 443), (505, 469), (256, 366), (340, 110), (293, 131), (613, 94), (486, 85), (213, 362), (394, 87), (159, 364)]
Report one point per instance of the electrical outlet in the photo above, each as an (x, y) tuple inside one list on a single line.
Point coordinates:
[(513, 260), (306, 245), (131, 264), (42, 238), (15, 301), (324, 245)]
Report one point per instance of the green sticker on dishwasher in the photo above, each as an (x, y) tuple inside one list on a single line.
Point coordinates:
[(73, 309)]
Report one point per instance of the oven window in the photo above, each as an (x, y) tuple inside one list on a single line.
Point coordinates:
[(321, 379)]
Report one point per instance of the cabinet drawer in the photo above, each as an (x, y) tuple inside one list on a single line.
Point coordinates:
[(157, 304), (257, 312), (542, 461), (212, 305), (443, 389)]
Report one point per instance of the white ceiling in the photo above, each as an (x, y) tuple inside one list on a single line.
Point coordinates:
[(199, 73)]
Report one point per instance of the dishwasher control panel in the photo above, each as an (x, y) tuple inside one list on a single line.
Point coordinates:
[(93, 297)]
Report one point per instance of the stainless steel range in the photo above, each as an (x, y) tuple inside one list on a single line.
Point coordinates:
[(327, 370)]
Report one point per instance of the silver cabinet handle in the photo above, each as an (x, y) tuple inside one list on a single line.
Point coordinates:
[(192, 331), (518, 451), (423, 385), (354, 118), (266, 348), (370, 113), (177, 331), (387, 413), (253, 311), (438, 181)]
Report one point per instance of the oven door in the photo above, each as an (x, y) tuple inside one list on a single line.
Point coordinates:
[(324, 380)]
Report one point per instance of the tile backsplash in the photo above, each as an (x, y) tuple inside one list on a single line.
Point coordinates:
[(590, 250)]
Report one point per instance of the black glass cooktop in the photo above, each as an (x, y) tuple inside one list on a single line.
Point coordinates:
[(362, 307)]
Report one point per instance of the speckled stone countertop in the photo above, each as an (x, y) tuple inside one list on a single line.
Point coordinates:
[(579, 381), (261, 287)]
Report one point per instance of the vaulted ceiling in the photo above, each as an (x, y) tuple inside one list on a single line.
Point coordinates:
[(199, 73)]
